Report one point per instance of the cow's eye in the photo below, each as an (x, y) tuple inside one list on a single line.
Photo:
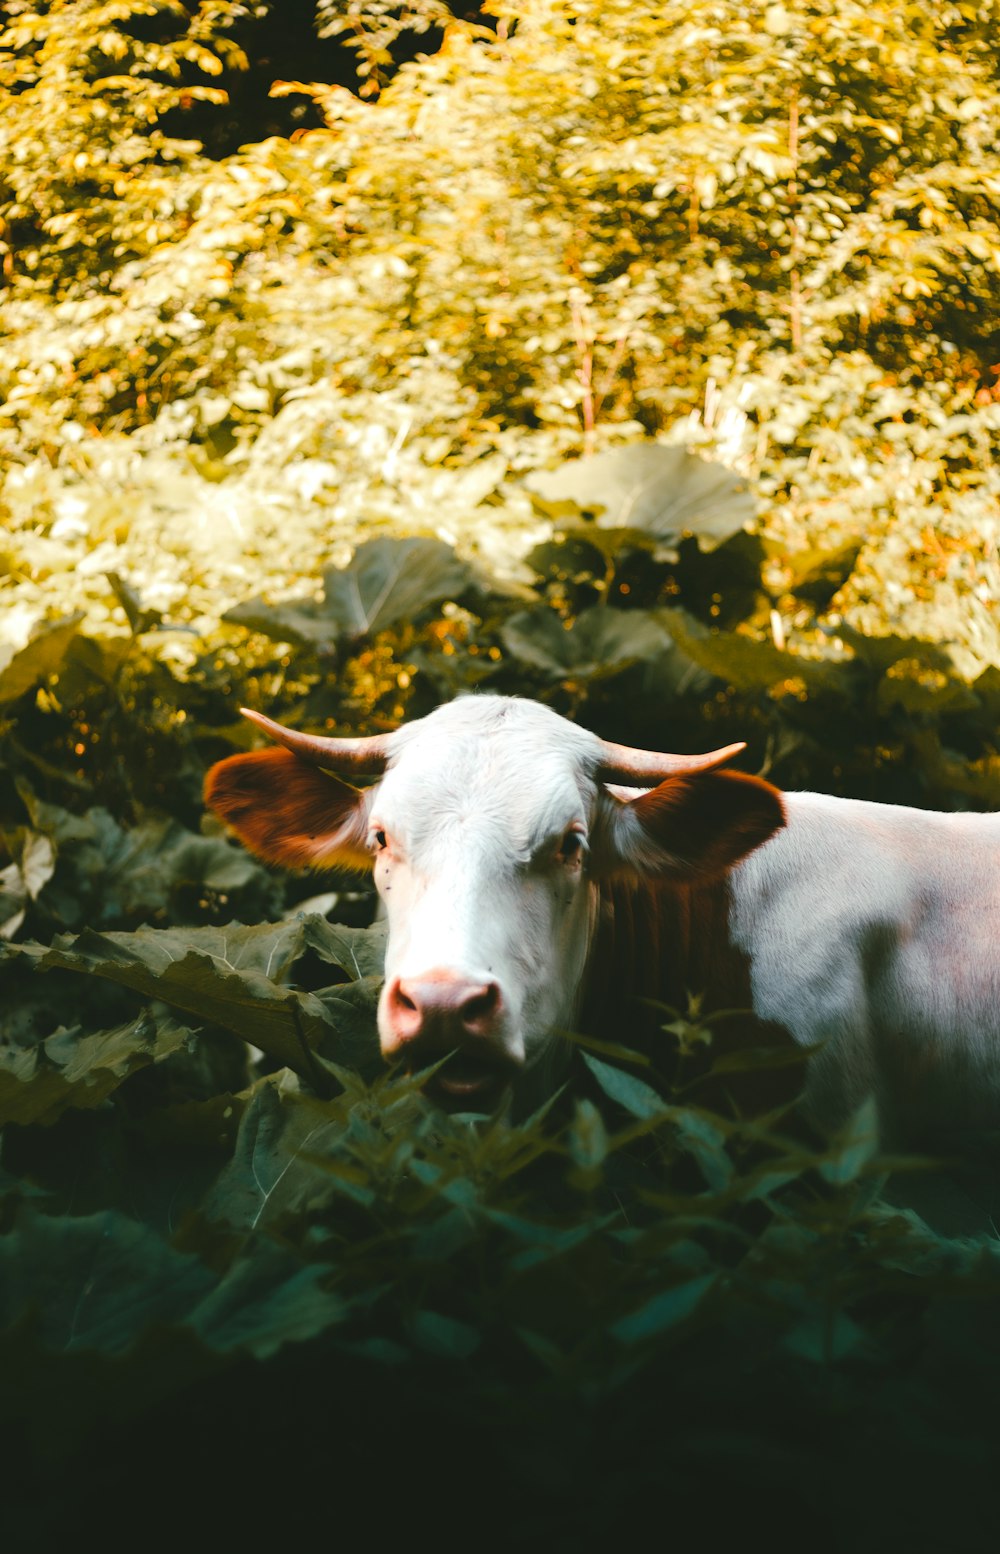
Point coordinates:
[(572, 847)]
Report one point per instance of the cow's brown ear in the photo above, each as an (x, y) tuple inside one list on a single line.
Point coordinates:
[(290, 812), (691, 828)]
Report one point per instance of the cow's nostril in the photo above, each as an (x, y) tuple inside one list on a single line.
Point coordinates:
[(481, 1005), (404, 1000)]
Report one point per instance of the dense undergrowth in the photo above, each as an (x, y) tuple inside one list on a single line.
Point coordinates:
[(754, 284), (655, 1280)]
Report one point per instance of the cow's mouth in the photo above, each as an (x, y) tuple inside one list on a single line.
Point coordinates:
[(470, 1081)]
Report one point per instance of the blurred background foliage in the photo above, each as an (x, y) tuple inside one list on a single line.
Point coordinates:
[(640, 358), (764, 234)]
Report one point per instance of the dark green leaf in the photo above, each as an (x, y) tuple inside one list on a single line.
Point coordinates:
[(599, 643), (70, 1069), (226, 976), (664, 1311), (443, 1336), (638, 1098)]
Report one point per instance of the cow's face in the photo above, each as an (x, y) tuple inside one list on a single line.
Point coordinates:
[(482, 831), (489, 834)]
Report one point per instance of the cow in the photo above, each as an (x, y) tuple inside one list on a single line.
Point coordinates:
[(535, 876)]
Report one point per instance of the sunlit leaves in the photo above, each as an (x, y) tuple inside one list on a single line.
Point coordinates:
[(21, 667), (387, 581), (663, 491)]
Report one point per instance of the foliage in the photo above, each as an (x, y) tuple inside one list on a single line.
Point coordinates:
[(177, 1211), (667, 337)]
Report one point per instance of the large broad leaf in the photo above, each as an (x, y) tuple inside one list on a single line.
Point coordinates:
[(113, 876), (125, 1279), (284, 1144), (266, 1300), (227, 976), (360, 952), (20, 669), (750, 663), (389, 581), (385, 582), (600, 642), (38, 1083), (664, 491), (94, 1282)]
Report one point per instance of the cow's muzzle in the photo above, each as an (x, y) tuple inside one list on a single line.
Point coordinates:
[(424, 1019)]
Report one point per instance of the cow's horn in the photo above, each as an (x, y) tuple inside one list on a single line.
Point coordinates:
[(354, 755), (620, 763)]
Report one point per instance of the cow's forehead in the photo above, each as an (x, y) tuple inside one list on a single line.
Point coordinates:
[(502, 728), (513, 765)]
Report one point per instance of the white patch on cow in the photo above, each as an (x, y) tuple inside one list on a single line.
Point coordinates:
[(874, 930)]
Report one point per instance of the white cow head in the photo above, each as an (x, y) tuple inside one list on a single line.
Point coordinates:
[(492, 826)]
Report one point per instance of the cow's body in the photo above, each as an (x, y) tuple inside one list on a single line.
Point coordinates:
[(527, 892), (874, 930), (869, 931)]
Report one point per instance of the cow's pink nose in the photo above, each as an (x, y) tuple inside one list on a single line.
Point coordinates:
[(443, 1011)]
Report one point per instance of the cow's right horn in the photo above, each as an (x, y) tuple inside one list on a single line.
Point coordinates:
[(620, 763)]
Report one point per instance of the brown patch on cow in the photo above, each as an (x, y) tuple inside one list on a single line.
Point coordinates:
[(656, 944), (707, 823), (289, 812)]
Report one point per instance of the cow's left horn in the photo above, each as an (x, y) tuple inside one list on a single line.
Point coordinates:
[(620, 763), (354, 755)]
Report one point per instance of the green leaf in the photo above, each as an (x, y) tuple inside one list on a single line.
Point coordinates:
[(43, 655), (443, 1336), (702, 1138), (751, 663), (853, 1149), (664, 1311), (638, 1098), (360, 952), (267, 1299), (389, 581), (664, 491), (601, 642), (588, 1139), (817, 574), (824, 1340), (94, 1282), (226, 976), (23, 879), (273, 1160), (38, 1083), (751, 1060), (386, 581), (109, 875)]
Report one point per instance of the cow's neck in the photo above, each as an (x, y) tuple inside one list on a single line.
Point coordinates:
[(659, 942)]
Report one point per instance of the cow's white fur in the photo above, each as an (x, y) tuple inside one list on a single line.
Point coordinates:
[(874, 930)]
